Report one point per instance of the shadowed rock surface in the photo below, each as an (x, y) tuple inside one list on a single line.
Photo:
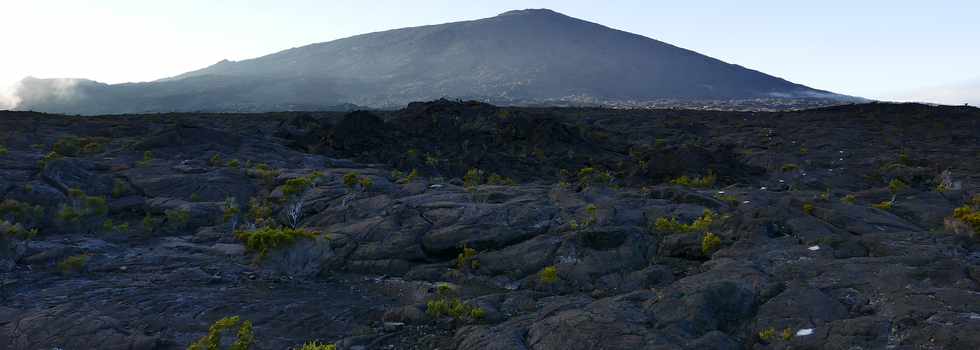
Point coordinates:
[(540, 253)]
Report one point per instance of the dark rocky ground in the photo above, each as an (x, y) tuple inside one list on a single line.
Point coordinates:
[(802, 254)]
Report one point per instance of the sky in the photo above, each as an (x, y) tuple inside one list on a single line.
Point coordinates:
[(889, 50)]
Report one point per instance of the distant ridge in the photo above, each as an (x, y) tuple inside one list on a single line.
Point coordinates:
[(521, 57)]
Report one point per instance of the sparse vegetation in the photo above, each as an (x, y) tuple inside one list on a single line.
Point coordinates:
[(808, 208), (445, 303), (3, 151), (177, 218), (548, 275), (671, 225), (212, 341), (849, 199), (215, 160), (147, 159), (264, 239), (467, 259), (234, 163), (119, 188), (706, 181), (789, 167), (767, 334), (74, 263), (710, 243), (315, 345), (885, 205)]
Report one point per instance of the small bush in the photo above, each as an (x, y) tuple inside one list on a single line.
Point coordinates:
[(886, 205), (265, 239), (589, 176), (147, 159), (212, 341), (355, 181), (970, 215), (234, 163), (48, 158), (849, 199), (808, 208), (76, 146), (896, 185), (119, 188), (789, 167), (215, 160), (16, 230), (315, 345), (74, 263), (706, 181), (710, 243), (3, 151), (177, 218), (548, 275), (196, 197), (473, 178), (467, 259), (787, 334), (767, 334), (671, 225)]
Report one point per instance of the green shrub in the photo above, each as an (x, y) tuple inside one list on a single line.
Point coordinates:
[(48, 158), (498, 180), (265, 239), (234, 163), (73, 263), (467, 259), (788, 167), (885, 205), (3, 151), (706, 181), (212, 341), (453, 307), (849, 199), (590, 176), (297, 186), (787, 334), (767, 334), (150, 222), (119, 188), (710, 243), (671, 225), (896, 185), (16, 230), (177, 218), (970, 215), (147, 159), (473, 178), (196, 197), (354, 181), (215, 160), (548, 275), (76, 146), (808, 208), (315, 345)]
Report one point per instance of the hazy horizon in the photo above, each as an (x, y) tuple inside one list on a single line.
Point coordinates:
[(901, 51)]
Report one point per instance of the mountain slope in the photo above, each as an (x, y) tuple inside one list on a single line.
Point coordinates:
[(519, 57)]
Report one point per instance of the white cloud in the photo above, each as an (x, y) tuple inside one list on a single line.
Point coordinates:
[(950, 94), (8, 98)]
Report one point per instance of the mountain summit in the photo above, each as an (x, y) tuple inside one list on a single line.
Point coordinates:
[(518, 57)]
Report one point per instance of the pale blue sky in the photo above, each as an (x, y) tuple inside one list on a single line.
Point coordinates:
[(898, 49)]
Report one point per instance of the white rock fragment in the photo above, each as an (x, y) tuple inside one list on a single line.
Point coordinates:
[(746, 202), (762, 188), (804, 332), (436, 186), (814, 248)]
